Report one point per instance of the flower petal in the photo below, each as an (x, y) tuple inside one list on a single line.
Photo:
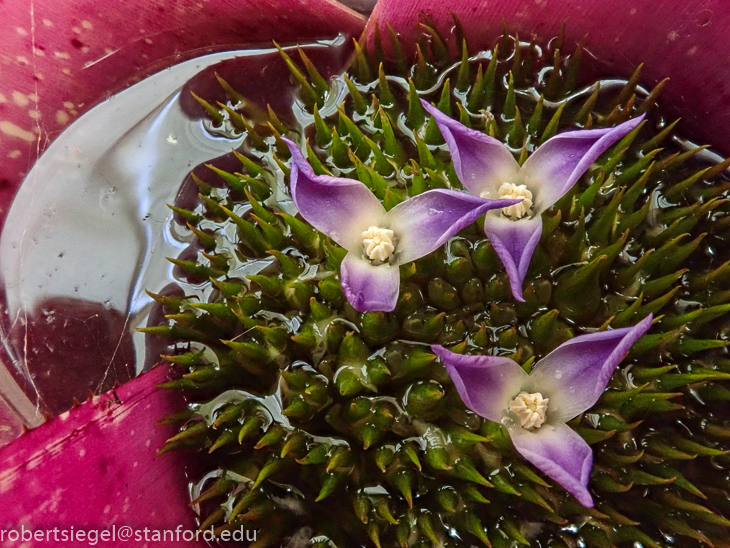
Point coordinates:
[(575, 374), (341, 208), (560, 453), (481, 162), (368, 287), (426, 221), (486, 384), (514, 242), (556, 166)]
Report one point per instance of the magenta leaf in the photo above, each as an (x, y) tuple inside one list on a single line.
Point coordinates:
[(95, 466)]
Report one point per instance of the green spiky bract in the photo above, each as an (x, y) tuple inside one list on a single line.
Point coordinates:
[(336, 428)]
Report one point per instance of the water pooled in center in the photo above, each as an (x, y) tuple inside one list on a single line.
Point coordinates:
[(89, 231)]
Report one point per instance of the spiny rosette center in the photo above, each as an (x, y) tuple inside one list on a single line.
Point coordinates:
[(380, 421)]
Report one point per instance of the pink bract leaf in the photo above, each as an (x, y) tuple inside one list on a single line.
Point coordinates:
[(62, 58), (686, 41), (95, 466)]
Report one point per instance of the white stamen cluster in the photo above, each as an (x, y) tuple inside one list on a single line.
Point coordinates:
[(530, 409), (514, 192), (378, 244)]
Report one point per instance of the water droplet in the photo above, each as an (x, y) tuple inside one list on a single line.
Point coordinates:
[(558, 374)]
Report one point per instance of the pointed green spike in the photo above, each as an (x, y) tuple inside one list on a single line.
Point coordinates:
[(630, 87), (573, 69), (253, 169), (509, 102), (196, 430), (323, 134), (464, 469), (476, 99), (463, 79), (600, 230), (353, 132), (340, 458), (321, 85), (251, 351), (517, 135), (214, 208), (552, 126), (273, 465), (197, 269), (361, 65), (310, 97), (340, 151), (588, 105), (400, 61), (386, 95), (295, 444), (213, 112), (578, 294), (242, 124), (251, 426), (226, 438), (535, 122), (439, 49), (490, 79), (329, 483), (274, 120), (302, 232), (475, 527), (204, 187), (655, 287), (316, 163), (382, 166), (423, 71), (657, 139), (358, 101), (190, 217), (236, 98), (556, 83), (383, 510), (271, 232), (432, 135), (425, 157), (247, 232), (405, 482), (231, 180), (391, 145), (416, 115)]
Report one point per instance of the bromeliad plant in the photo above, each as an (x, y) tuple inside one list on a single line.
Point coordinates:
[(324, 425)]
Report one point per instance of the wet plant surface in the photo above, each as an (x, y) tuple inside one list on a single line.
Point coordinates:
[(324, 426)]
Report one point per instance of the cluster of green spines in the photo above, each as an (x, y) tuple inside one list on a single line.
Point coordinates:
[(342, 427)]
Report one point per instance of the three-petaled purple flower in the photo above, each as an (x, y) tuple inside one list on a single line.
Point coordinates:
[(378, 241), (535, 407), (488, 169)]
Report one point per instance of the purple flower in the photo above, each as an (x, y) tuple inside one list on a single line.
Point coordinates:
[(535, 407), (378, 241), (488, 169)]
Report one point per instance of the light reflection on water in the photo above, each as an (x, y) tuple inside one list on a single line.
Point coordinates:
[(89, 231)]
